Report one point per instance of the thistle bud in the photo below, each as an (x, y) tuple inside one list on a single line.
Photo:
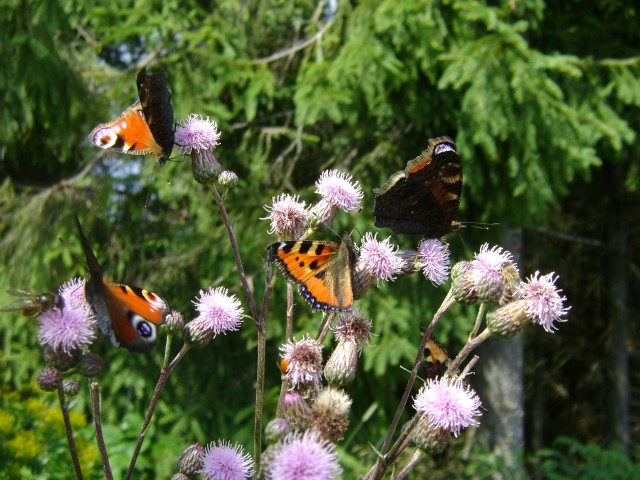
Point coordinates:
[(228, 179), (509, 319), (330, 414), (190, 461), (48, 379), (90, 365)]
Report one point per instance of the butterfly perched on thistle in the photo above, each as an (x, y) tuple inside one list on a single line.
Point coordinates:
[(424, 198), (323, 270), (146, 127), (128, 315)]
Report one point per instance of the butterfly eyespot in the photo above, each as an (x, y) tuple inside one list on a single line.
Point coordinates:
[(105, 138), (144, 328)]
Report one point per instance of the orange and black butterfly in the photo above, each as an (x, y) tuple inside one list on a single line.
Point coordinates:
[(322, 269), (128, 315), (423, 199), (436, 359), (146, 127), (33, 304)]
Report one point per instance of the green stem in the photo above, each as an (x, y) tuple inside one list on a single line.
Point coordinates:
[(64, 407), (94, 388), (236, 252), (383, 462), (164, 375), (261, 325), (466, 350)]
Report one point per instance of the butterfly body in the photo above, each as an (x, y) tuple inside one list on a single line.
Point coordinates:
[(128, 315), (436, 359), (33, 304), (322, 269), (146, 127), (423, 199)]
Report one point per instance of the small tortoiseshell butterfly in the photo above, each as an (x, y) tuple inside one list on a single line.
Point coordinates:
[(423, 198), (322, 269), (146, 127), (436, 359), (127, 315), (33, 304)]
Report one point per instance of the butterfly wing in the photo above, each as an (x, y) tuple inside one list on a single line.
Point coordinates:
[(129, 134), (135, 315), (322, 270), (94, 288), (127, 315), (436, 359), (155, 99), (424, 198)]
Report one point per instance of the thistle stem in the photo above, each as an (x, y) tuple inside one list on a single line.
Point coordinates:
[(384, 461), (64, 407), (94, 388), (164, 374), (236, 252)]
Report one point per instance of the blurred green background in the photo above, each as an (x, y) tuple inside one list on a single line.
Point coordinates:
[(542, 100)]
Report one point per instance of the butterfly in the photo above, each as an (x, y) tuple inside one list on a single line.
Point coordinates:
[(322, 269), (436, 359), (146, 127), (33, 304), (423, 198), (128, 315)]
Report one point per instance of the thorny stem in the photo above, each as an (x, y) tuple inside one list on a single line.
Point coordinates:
[(383, 463), (64, 407), (466, 350), (236, 251), (164, 374), (94, 388)]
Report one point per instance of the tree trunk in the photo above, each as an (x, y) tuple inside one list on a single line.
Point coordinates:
[(616, 280)]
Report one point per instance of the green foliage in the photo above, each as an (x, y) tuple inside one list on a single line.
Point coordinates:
[(569, 458), (531, 100)]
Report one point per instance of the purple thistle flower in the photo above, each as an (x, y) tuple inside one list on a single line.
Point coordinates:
[(222, 461), (303, 457), (448, 404), (218, 311), (72, 293), (380, 257), (434, 259), (197, 133), (544, 303), (339, 189), (304, 362), (487, 272), (288, 216), (67, 330)]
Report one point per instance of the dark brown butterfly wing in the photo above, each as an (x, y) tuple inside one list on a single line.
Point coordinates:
[(155, 98), (424, 198)]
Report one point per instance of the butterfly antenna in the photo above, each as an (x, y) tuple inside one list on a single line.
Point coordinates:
[(479, 225), (92, 261)]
